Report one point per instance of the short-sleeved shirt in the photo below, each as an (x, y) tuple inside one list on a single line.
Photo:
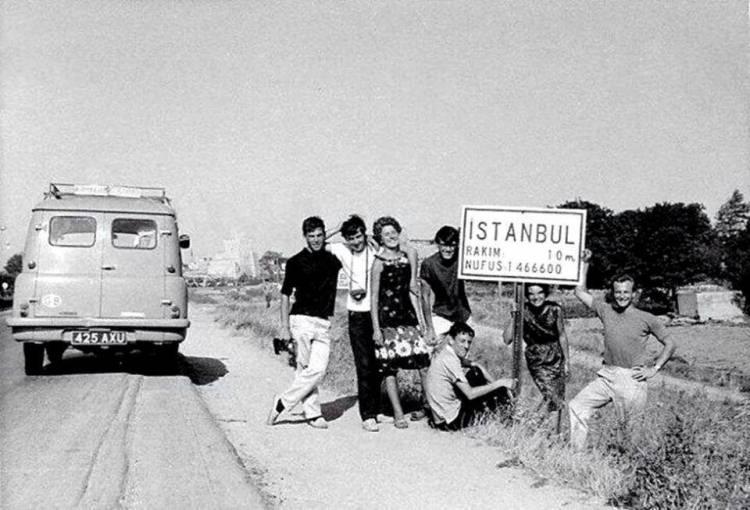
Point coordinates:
[(358, 270), (312, 276), (442, 395), (451, 302), (626, 334)]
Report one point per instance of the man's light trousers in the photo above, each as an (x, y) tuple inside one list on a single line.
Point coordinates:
[(312, 336), (612, 384)]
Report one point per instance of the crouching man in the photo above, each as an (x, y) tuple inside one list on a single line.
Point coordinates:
[(455, 397)]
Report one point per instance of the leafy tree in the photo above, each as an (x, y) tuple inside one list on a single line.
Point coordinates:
[(732, 217), (673, 245), (14, 265), (662, 247), (736, 263)]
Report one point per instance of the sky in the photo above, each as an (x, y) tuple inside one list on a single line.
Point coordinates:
[(255, 115)]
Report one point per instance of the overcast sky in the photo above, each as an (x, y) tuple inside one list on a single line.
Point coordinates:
[(255, 115)]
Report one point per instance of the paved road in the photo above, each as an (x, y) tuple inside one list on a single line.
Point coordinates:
[(107, 435)]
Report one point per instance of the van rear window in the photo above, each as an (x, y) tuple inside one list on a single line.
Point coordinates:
[(72, 231), (134, 233)]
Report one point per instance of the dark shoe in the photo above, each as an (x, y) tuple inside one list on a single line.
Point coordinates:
[(418, 415), (276, 410)]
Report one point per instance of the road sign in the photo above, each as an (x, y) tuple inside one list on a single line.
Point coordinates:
[(514, 244)]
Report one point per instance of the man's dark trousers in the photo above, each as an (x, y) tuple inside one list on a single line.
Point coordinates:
[(368, 377)]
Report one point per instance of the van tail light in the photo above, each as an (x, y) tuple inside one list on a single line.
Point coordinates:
[(175, 310), (24, 309)]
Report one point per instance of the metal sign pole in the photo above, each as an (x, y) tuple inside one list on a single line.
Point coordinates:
[(518, 291)]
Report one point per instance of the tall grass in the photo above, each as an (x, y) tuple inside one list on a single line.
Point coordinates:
[(686, 452)]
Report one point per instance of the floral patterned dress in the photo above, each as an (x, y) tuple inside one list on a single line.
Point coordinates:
[(403, 345)]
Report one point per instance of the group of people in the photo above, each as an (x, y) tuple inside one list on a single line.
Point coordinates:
[(404, 318)]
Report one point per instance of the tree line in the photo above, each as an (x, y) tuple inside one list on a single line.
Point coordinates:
[(669, 245)]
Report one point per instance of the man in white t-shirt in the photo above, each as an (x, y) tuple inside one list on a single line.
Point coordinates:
[(356, 258)]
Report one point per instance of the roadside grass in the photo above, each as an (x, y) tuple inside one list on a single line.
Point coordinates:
[(686, 452)]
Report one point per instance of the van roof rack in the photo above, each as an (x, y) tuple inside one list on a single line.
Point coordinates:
[(57, 190)]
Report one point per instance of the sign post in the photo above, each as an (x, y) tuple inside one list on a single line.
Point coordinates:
[(523, 246), (518, 296)]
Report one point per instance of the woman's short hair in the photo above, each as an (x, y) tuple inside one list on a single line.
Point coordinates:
[(447, 235), (312, 223), (352, 226), (458, 328), (381, 223), (544, 286)]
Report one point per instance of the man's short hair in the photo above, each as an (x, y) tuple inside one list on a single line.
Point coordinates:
[(312, 223), (622, 278), (447, 235), (381, 223), (352, 226), (458, 328)]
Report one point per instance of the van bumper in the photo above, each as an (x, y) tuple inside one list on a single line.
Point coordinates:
[(61, 330)]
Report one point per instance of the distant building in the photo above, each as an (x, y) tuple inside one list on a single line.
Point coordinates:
[(227, 266)]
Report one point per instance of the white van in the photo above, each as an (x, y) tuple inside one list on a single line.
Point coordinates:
[(102, 272)]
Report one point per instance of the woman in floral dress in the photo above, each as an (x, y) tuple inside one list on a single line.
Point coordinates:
[(396, 313)]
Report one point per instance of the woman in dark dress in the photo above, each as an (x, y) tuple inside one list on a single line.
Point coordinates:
[(396, 313), (547, 351)]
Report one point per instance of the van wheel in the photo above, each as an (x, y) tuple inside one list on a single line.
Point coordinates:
[(33, 358), (55, 351)]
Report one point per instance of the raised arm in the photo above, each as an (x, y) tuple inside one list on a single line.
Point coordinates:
[(510, 326), (582, 291)]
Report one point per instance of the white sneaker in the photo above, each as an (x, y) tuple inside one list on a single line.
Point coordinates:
[(370, 425), (384, 418), (318, 423)]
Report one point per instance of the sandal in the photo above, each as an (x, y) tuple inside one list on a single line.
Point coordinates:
[(401, 423)]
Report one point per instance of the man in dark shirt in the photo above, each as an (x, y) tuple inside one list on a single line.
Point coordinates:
[(439, 276), (311, 274)]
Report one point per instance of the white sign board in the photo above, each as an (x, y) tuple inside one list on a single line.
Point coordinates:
[(516, 244)]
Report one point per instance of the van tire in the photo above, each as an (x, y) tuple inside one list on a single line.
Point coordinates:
[(55, 351), (33, 358)]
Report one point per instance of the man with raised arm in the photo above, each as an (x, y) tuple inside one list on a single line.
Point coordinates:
[(311, 275), (627, 363), (356, 257)]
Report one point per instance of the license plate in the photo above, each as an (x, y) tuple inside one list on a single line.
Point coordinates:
[(99, 338)]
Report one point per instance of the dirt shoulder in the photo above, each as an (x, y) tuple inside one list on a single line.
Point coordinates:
[(296, 466)]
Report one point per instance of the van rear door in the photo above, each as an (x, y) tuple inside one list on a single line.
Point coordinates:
[(68, 260), (133, 267)]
